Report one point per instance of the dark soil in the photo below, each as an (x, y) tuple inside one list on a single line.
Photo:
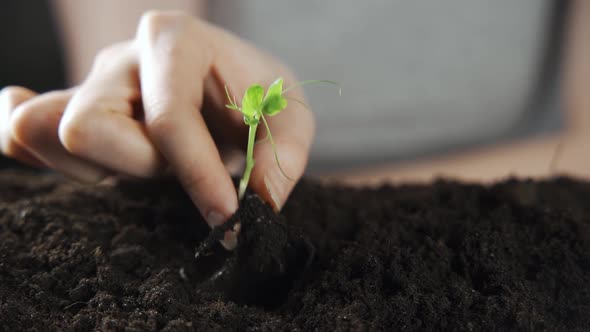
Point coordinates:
[(450, 256)]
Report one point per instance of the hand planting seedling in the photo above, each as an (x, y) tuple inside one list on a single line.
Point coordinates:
[(255, 106)]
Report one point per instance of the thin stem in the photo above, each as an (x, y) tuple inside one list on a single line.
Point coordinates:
[(232, 103), (274, 148), (298, 101), (302, 83), (262, 140), (249, 161)]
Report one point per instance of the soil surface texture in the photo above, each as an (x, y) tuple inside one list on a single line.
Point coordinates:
[(447, 256)]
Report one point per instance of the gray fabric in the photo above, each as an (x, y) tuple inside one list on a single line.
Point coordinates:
[(416, 76)]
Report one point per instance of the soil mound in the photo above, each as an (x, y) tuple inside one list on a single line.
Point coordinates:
[(451, 256)]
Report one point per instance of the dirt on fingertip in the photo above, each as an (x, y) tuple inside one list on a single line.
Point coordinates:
[(445, 256)]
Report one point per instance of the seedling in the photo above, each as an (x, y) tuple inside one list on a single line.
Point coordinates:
[(256, 105)]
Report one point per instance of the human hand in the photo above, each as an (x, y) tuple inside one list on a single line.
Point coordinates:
[(155, 102)]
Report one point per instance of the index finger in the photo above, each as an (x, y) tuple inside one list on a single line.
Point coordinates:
[(174, 59)]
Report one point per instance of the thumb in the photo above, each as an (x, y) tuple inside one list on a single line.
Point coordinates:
[(279, 167)]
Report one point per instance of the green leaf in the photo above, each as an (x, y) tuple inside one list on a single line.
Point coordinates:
[(252, 101), (274, 102), (273, 105), (275, 89)]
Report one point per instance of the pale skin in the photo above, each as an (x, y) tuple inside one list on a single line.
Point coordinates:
[(156, 103)]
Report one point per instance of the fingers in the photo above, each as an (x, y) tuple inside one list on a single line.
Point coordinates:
[(175, 58), (178, 61), (178, 57), (239, 65), (10, 98), (99, 123), (35, 126)]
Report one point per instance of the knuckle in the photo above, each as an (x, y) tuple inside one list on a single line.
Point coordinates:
[(10, 148), (30, 122), (7, 95), (161, 124), (167, 36), (11, 96), (105, 56), (25, 123), (154, 22), (73, 133)]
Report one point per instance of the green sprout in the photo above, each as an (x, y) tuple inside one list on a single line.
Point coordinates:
[(256, 105)]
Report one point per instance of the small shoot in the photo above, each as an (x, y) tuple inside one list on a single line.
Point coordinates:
[(256, 106)]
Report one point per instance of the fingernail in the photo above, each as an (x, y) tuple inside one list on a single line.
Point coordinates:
[(215, 218), (230, 240), (271, 187)]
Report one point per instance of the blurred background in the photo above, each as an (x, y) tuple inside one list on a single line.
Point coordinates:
[(418, 77), (465, 88)]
